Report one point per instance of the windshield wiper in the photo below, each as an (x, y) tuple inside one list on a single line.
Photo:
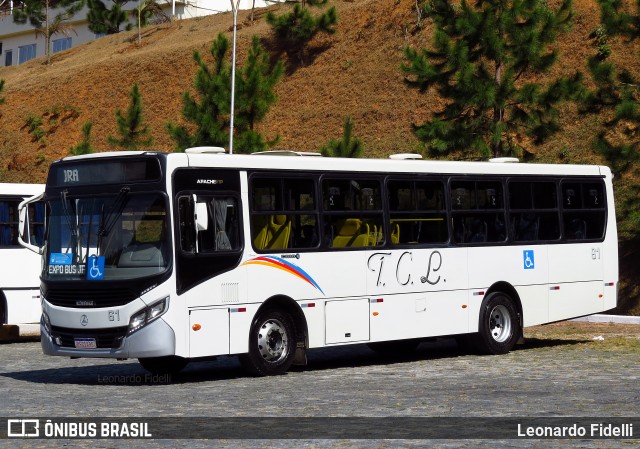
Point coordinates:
[(66, 209), (110, 218), (73, 229)]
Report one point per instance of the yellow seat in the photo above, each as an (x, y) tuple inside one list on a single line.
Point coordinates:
[(274, 234), (395, 233), (352, 233)]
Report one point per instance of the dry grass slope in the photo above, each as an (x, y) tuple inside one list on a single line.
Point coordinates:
[(354, 72)]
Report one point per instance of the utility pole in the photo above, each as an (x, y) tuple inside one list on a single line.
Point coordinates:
[(234, 7)]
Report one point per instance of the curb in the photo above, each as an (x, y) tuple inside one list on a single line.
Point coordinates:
[(618, 319), (18, 332)]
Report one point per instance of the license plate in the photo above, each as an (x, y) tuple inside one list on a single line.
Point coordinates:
[(85, 343)]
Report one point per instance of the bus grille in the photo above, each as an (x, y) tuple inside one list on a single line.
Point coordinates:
[(110, 338), (89, 298)]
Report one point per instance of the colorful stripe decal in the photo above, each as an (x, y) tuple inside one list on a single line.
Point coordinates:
[(280, 263)]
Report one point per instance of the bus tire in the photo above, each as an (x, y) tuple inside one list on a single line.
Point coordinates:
[(163, 365), (272, 344), (499, 327)]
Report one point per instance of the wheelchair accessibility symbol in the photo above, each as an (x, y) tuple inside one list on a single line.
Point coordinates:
[(529, 261), (95, 268)]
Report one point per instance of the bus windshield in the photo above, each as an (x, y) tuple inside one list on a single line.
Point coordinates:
[(110, 237)]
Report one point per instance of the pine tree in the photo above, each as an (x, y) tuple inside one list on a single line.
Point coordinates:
[(347, 147), (481, 53), (38, 14), (209, 115), (84, 147), (617, 97), (106, 21), (296, 28), (133, 134), (616, 94), (255, 94), (617, 20)]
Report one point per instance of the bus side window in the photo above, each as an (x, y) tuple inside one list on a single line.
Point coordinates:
[(8, 223), (584, 213), (417, 212), (534, 211), (208, 224), (478, 212), (284, 212)]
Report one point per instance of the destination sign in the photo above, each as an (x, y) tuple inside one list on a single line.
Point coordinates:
[(100, 171)]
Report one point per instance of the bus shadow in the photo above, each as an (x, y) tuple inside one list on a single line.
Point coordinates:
[(229, 368), (130, 374), (539, 343), (442, 348)]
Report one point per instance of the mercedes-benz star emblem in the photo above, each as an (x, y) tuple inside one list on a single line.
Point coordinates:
[(84, 320)]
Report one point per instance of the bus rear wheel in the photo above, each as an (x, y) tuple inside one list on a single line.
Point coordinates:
[(499, 327), (164, 365), (272, 344)]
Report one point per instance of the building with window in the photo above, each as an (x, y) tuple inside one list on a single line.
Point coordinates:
[(20, 43)]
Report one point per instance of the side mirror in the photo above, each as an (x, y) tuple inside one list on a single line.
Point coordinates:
[(26, 234)]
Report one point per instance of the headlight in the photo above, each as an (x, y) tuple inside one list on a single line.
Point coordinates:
[(137, 321), (148, 314), (157, 309)]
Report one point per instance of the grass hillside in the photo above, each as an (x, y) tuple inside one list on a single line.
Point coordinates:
[(354, 72)]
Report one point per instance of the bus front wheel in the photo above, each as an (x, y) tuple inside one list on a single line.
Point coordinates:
[(272, 344), (499, 326)]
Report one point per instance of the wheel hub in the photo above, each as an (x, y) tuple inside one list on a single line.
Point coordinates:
[(500, 324), (272, 341)]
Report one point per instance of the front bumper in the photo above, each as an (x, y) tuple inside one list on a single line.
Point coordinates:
[(157, 339)]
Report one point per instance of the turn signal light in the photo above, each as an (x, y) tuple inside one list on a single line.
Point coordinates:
[(196, 327)]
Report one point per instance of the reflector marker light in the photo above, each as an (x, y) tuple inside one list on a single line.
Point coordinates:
[(376, 300), (239, 309), (555, 287), (478, 293), (609, 284), (309, 304), (196, 327)]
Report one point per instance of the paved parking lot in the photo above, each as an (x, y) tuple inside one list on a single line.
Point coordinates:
[(543, 378)]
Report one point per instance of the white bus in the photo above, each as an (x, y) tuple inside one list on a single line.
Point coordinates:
[(19, 268), (174, 257)]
